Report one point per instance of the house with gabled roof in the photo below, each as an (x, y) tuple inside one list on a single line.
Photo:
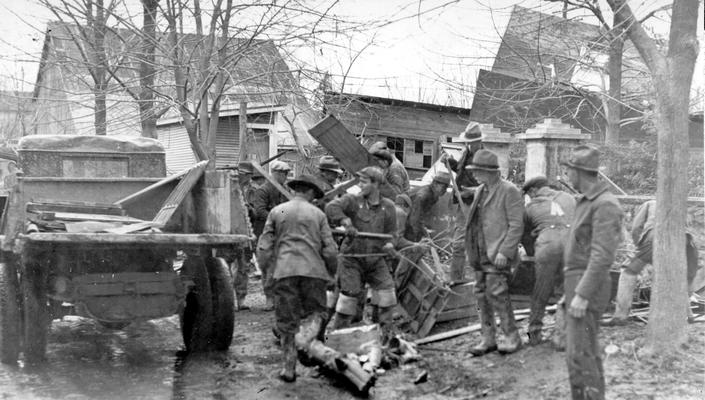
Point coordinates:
[(278, 115)]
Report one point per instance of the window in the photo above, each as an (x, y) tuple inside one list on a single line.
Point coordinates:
[(396, 145), (412, 153)]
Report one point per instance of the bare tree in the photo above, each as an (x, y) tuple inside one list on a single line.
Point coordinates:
[(90, 19), (671, 75)]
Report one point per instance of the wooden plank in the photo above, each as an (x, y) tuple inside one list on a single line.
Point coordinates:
[(132, 228), (341, 143), (456, 314), (458, 332), (176, 239), (75, 207), (340, 188), (162, 182), (178, 194), (68, 216), (614, 185), (271, 180)]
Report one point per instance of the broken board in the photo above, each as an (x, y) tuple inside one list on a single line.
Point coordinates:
[(341, 143), (421, 294)]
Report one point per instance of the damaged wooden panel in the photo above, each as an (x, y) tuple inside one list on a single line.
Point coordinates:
[(341, 143), (422, 295)]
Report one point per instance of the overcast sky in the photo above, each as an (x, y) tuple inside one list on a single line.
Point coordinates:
[(412, 59)]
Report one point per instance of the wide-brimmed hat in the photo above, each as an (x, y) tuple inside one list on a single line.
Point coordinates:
[(537, 181), (277, 165), (472, 133), (309, 182), (329, 163), (384, 155), (245, 167), (374, 173), (442, 177), (484, 160), (586, 158)]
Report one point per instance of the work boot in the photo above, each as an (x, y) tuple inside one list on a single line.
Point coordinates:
[(487, 328), (288, 372), (241, 303), (510, 343), (623, 302), (342, 321)]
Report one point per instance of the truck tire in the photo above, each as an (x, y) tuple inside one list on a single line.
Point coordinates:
[(10, 317), (36, 310), (223, 303), (196, 317)]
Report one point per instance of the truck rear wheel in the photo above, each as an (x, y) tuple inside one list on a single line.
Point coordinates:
[(223, 303), (10, 317), (36, 311), (196, 317)]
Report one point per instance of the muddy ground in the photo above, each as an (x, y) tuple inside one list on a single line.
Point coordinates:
[(144, 361)]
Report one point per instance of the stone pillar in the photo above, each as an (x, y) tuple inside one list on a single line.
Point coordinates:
[(547, 144), (498, 142)]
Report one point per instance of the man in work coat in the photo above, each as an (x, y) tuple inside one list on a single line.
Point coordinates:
[(594, 235), (494, 229), (264, 199), (297, 248), (546, 222), (363, 259)]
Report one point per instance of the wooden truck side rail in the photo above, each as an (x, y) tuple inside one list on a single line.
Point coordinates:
[(175, 240)]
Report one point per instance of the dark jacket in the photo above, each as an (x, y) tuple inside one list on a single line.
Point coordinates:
[(365, 217), (422, 200), (592, 243), (464, 177), (264, 199), (550, 209)]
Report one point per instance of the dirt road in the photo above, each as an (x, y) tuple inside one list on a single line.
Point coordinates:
[(87, 361)]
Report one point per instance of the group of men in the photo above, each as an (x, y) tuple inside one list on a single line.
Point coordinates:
[(573, 240)]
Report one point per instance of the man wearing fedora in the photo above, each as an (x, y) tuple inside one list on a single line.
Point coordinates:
[(547, 219), (328, 173), (297, 248), (471, 139), (264, 199), (594, 235), (494, 229), (422, 200)]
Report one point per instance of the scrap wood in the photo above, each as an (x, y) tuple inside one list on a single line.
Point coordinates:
[(458, 332), (340, 188), (271, 180), (366, 235)]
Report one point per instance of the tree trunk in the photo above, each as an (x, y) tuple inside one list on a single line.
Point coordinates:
[(148, 117), (101, 81), (613, 110), (672, 76)]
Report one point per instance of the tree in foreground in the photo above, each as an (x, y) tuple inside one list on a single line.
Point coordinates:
[(671, 75)]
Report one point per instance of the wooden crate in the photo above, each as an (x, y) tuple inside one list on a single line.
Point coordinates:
[(422, 295)]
